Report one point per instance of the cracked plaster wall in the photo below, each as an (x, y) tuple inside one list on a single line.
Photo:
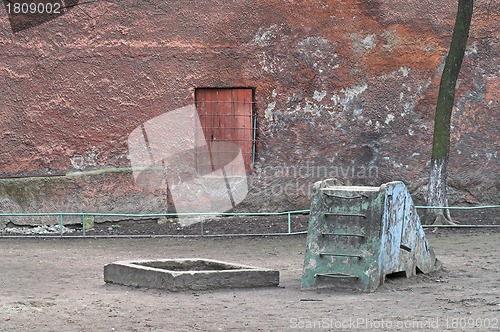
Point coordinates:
[(342, 88)]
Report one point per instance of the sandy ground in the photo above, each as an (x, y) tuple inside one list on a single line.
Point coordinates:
[(57, 285)]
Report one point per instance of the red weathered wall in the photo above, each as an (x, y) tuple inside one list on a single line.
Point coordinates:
[(338, 84)]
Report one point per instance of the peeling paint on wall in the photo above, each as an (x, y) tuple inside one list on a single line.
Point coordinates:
[(266, 36), (389, 118), (319, 95), (90, 159), (351, 94), (268, 113)]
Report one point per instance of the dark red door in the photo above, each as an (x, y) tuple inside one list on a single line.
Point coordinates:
[(226, 116)]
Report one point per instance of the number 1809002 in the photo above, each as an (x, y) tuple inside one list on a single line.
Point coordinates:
[(33, 8)]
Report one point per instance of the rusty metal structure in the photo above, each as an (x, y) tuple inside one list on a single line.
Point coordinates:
[(359, 235)]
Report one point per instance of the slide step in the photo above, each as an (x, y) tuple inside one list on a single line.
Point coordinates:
[(336, 275), (345, 214), (339, 255)]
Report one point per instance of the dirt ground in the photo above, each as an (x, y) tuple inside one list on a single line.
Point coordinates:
[(57, 285)]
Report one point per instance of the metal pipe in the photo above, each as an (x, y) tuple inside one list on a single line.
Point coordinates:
[(460, 226), (149, 215), (8, 177), (459, 207), (139, 236), (139, 215)]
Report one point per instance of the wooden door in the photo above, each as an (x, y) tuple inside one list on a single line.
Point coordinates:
[(226, 115)]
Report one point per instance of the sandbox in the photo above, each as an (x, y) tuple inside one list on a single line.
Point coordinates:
[(188, 274)]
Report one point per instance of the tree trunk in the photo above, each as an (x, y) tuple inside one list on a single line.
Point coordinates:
[(437, 194)]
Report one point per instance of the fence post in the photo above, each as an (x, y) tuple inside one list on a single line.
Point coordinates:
[(60, 224), (83, 224)]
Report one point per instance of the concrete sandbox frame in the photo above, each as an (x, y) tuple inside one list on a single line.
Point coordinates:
[(188, 274)]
